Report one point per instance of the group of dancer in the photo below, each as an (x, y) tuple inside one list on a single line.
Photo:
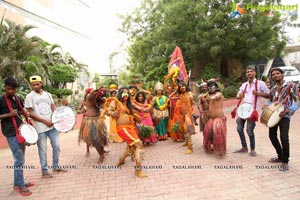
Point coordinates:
[(138, 117)]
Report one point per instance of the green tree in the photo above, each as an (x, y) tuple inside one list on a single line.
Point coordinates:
[(16, 50), (204, 32), (60, 75)]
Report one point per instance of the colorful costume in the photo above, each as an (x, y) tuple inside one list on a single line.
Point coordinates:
[(93, 132), (215, 134), (126, 129), (146, 125), (161, 115), (113, 135), (183, 115)]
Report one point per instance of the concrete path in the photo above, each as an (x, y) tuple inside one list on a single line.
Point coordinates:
[(172, 173)]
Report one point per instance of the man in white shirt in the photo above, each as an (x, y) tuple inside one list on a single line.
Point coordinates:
[(251, 92), (40, 106)]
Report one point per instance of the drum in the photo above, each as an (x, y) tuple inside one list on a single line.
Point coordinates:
[(270, 115), (63, 119), (29, 133), (245, 110)]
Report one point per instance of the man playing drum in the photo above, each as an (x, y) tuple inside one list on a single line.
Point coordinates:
[(8, 128), (40, 106), (251, 92), (285, 93)]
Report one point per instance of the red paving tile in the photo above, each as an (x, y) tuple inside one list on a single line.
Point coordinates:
[(250, 178)]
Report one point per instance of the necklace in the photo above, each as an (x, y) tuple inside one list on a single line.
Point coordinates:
[(163, 105)]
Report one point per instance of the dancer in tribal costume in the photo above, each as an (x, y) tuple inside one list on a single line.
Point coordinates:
[(183, 115), (121, 109), (160, 112), (93, 131), (146, 120), (114, 137), (214, 139), (203, 108), (172, 93)]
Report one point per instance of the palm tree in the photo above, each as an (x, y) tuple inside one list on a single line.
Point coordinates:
[(15, 49)]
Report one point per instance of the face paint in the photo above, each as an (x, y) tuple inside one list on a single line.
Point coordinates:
[(212, 89), (124, 94)]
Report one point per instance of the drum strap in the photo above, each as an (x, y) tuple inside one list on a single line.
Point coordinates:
[(254, 115), (233, 112), (20, 138), (255, 99)]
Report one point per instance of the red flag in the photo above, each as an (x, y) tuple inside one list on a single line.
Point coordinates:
[(177, 60)]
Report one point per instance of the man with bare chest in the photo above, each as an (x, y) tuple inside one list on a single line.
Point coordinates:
[(121, 109), (93, 131), (203, 108), (214, 139)]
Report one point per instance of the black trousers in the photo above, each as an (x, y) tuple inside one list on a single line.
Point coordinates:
[(283, 148)]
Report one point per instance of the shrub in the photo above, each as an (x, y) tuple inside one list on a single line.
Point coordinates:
[(230, 91)]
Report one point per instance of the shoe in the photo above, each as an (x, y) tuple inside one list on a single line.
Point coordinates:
[(275, 160), (59, 170), (23, 191), (47, 175), (242, 150), (253, 153), (284, 167), (27, 185)]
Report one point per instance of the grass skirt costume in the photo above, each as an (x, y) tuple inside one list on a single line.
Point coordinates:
[(214, 138), (93, 132)]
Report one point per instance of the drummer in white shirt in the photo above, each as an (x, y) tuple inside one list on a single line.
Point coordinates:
[(40, 106), (250, 92)]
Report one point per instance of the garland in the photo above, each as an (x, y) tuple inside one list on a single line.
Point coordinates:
[(164, 106)]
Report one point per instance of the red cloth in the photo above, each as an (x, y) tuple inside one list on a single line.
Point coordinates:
[(128, 133), (217, 127), (177, 59)]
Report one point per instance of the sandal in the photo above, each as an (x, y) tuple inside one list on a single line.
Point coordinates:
[(275, 160), (59, 170), (284, 167), (253, 153), (242, 150), (47, 175), (24, 191), (29, 184)]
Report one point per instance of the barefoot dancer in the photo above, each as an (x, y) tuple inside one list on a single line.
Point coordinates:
[(92, 130), (121, 109), (214, 138)]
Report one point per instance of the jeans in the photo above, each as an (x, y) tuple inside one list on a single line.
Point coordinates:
[(250, 131), (283, 149), (42, 148), (18, 151)]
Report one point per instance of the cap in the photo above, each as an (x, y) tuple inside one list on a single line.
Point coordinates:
[(251, 67), (276, 69), (35, 79)]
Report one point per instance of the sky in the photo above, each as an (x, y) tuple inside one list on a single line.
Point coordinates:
[(105, 38), (96, 20)]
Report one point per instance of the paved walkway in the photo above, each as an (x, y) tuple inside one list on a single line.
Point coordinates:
[(234, 177)]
